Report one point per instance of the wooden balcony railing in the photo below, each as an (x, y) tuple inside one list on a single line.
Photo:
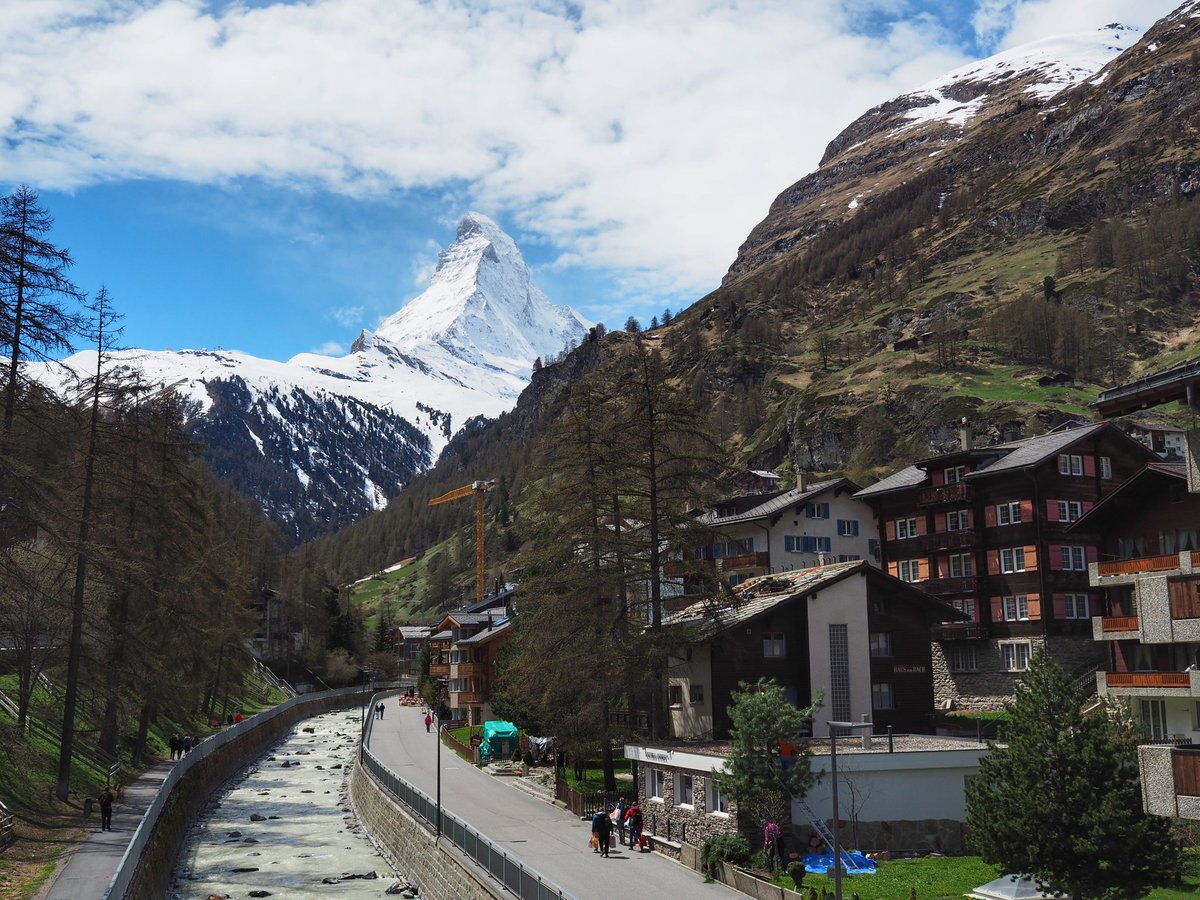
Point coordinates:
[(1141, 564), (467, 698), (745, 561), (950, 493), (439, 670), (1119, 623), (939, 586), (467, 669), (959, 631), (1186, 765), (943, 540), (1147, 679)]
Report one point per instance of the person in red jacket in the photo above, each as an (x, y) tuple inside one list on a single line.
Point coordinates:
[(633, 822)]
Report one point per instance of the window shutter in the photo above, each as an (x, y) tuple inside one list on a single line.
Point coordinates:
[(939, 522), (1027, 511), (997, 609), (1089, 465), (890, 529), (1056, 557), (923, 569), (1092, 554), (1086, 505), (1060, 606), (943, 565), (922, 527), (970, 518), (1051, 510), (894, 569), (989, 516), (1031, 559), (993, 562), (1034, 603), (936, 478)]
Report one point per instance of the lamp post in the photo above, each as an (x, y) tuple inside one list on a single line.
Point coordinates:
[(837, 853), (437, 714)]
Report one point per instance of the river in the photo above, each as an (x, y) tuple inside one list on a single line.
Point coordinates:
[(284, 826)]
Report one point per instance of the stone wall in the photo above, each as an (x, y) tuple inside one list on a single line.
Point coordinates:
[(673, 824), (438, 870), (989, 686), (924, 835)]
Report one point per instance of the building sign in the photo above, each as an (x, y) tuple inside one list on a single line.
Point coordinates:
[(658, 755), (908, 670)]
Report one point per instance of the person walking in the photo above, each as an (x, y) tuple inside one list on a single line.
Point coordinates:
[(428, 722), (106, 805), (633, 818), (604, 831), (618, 818)]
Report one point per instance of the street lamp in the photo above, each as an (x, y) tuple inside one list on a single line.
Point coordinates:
[(837, 854), (437, 714)]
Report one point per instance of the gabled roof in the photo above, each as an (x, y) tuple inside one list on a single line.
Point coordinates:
[(905, 478), (487, 634), (779, 502), (1151, 390), (1033, 451), (1129, 488), (415, 632)]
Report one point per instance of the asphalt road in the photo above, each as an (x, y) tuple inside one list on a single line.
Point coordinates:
[(545, 837)]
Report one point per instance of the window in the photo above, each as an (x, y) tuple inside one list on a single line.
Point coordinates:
[(1076, 606), (966, 605), (1106, 468), (654, 784), (807, 544), (958, 520), (881, 643), (954, 474), (696, 693), (1008, 513), (909, 570), (817, 510), (961, 658), (1069, 510), (684, 789), (1012, 560), (960, 565), (1070, 464), (881, 696), (1074, 559), (873, 547), (848, 527), (1016, 608), (736, 578), (675, 694), (774, 645), (848, 557), (458, 685), (1015, 656), (717, 803), (791, 543), (906, 528)]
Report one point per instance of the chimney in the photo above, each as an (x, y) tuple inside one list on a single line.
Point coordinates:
[(802, 481), (965, 434)]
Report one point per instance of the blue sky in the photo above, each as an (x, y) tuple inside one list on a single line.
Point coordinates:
[(273, 177)]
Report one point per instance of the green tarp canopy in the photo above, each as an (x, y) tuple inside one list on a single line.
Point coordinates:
[(499, 739)]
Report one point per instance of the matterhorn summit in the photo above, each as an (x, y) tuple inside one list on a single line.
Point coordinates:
[(320, 440)]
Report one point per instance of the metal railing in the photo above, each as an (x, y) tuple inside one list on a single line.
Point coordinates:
[(7, 826), (516, 876)]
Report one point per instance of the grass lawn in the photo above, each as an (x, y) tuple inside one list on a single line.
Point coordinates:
[(593, 775)]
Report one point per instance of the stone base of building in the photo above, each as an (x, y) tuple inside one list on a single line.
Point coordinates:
[(990, 684)]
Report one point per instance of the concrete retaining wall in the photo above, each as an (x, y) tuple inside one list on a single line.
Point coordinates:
[(437, 869)]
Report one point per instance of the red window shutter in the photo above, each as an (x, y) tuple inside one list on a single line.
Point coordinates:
[(1027, 512), (1060, 606), (923, 569), (1034, 603), (1092, 554), (1086, 505), (890, 529), (1051, 510), (939, 522), (1089, 465), (993, 559), (922, 526), (1031, 561), (997, 609), (894, 568), (989, 516), (937, 478), (1056, 557)]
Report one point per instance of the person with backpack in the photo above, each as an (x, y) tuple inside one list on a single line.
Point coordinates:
[(603, 828), (618, 817), (633, 819)]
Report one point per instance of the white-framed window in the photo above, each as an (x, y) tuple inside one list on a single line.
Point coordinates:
[(958, 520), (1069, 510), (1076, 606), (961, 658), (774, 645), (1008, 513), (458, 685), (1074, 559), (717, 803), (906, 528), (696, 694), (1015, 655), (848, 557), (961, 565), (965, 604), (816, 510), (954, 474), (1016, 608), (847, 527), (1106, 468), (882, 696), (675, 694), (655, 784), (1012, 560), (1070, 464), (685, 789), (881, 643), (909, 570)]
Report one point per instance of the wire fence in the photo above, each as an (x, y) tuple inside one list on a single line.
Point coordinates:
[(7, 826)]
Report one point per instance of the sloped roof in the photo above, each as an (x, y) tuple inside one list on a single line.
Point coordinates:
[(905, 478), (1127, 488), (779, 502), (487, 634), (415, 632), (1034, 450)]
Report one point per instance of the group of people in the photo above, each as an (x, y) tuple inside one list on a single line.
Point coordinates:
[(626, 820), (181, 744), (379, 710)]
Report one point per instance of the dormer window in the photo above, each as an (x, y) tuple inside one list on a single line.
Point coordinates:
[(954, 474)]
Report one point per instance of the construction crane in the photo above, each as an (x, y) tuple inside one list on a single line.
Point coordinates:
[(478, 488)]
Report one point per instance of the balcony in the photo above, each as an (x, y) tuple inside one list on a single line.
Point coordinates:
[(1109, 624), (959, 631), (1148, 684), (459, 699), (1168, 612), (745, 561), (1170, 780), (942, 540), (467, 669), (1125, 569), (950, 493), (941, 586), (439, 670)]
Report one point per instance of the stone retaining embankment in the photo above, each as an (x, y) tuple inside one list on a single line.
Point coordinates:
[(145, 872)]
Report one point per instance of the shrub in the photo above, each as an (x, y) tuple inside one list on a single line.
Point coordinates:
[(730, 848), (795, 871)]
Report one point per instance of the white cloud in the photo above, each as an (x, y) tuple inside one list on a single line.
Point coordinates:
[(644, 138), (1014, 22), (329, 348), (347, 316)]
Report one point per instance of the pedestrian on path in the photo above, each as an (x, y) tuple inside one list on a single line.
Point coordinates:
[(633, 818), (618, 818), (379, 710), (603, 831), (106, 805), (428, 722)]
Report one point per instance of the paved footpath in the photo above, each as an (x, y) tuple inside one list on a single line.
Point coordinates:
[(545, 837), (93, 863)]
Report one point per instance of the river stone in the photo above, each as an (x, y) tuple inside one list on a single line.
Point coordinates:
[(255, 817), (241, 870), (260, 893)]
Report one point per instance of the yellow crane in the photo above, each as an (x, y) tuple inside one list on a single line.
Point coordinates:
[(478, 489)]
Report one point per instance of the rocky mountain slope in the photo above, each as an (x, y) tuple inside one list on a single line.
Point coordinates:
[(319, 441)]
